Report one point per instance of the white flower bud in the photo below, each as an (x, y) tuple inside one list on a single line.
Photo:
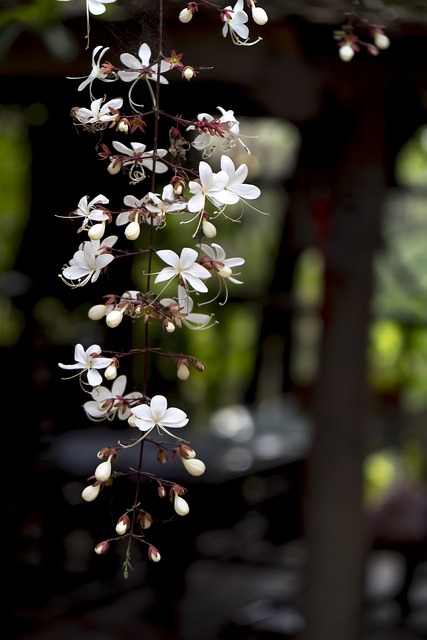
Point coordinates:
[(114, 167), (169, 326), (259, 15), (194, 466), (102, 547), (114, 318), (97, 231), (91, 492), (381, 41), (209, 230), (185, 15), (97, 312), (180, 505), (111, 371), (346, 52), (132, 231), (103, 471), (123, 126), (183, 371), (188, 73)]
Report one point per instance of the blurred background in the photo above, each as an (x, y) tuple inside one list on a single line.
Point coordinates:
[(311, 519)]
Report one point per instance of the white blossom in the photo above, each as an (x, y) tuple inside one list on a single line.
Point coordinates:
[(88, 262), (184, 267), (88, 361), (157, 414), (98, 71), (142, 67), (98, 112), (107, 404)]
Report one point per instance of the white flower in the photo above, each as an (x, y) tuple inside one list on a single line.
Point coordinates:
[(96, 7), (205, 141), (166, 204), (88, 262), (107, 404), (99, 113), (221, 265), (97, 72), (182, 310), (89, 210), (236, 177), (140, 158), (88, 362), (211, 186), (235, 20), (157, 414), (142, 67), (183, 266)]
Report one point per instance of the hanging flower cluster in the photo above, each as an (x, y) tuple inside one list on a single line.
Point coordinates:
[(357, 33), (164, 187)]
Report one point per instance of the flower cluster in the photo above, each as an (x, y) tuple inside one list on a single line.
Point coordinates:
[(166, 187), (357, 33)]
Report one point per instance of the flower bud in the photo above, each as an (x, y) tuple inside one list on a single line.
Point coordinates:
[(183, 371), (185, 451), (111, 371), (114, 166), (103, 470), (161, 491), (145, 520), (185, 15), (97, 312), (91, 492), (102, 547), (188, 73), (346, 52), (162, 456), (123, 524), (194, 466), (114, 318), (133, 231), (381, 40), (180, 505), (153, 554), (123, 126), (97, 231), (209, 230), (169, 326), (259, 16)]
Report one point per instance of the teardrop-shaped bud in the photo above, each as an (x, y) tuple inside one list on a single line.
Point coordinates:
[(114, 318), (111, 371), (180, 505), (153, 554), (103, 470), (194, 466), (132, 231), (185, 15), (97, 312), (102, 547), (91, 492), (97, 231)]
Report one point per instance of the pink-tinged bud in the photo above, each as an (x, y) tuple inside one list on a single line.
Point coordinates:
[(186, 452), (90, 493), (162, 456), (180, 505), (123, 524), (103, 470), (97, 312), (133, 231), (209, 229), (153, 554), (346, 52), (114, 166), (145, 520), (114, 318), (178, 185), (161, 491), (372, 50), (102, 547), (111, 371), (259, 16), (185, 15), (97, 231), (183, 372), (198, 365), (194, 466)]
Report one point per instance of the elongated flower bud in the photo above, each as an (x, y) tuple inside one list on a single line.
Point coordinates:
[(180, 505), (123, 524), (183, 372), (97, 312), (194, 466), (153, 554), (346, 52), (103, 470), (97, 231), (209, 229), (114, 318), (111, 371), (259, 16), (185, 15), (132, 230), (91, 492)]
